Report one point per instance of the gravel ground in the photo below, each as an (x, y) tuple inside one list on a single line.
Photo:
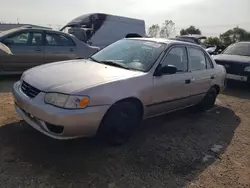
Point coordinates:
[(181, 149)]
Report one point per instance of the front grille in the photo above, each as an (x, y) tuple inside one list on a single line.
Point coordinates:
[(29, 90), (233, 67)]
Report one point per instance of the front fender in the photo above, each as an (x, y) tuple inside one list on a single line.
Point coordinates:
[(109, 93)]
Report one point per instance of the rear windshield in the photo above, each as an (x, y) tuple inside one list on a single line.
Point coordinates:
[(238, 49)]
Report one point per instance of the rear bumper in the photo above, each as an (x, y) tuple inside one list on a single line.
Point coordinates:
[(238, 77), (74, 123)]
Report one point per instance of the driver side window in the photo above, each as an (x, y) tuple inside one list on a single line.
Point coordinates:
[(177, 57)]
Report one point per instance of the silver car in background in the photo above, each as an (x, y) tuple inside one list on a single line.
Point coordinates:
[(35, 46), (112, 91)]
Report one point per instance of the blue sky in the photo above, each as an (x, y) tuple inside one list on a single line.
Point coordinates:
[(211, 16)]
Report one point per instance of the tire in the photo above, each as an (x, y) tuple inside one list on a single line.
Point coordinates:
[(119, 123), (209, 100)]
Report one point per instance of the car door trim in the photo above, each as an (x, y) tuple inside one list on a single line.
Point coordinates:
[(168, 101)]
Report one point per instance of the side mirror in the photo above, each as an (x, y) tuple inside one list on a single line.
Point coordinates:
[(8, 41), (167, 69)]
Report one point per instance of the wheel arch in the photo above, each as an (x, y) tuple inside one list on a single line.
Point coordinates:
[(135, 101)]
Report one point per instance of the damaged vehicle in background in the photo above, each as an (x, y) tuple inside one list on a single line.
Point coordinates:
[(101, 30), (215, 49), (196, 39), (111, 92), (236, 60), (35, 46)]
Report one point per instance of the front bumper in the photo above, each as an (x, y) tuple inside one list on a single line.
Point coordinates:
[(75, 123)]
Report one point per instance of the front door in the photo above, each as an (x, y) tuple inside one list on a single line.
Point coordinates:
[(59, 47), (172, 91), (27, 49)]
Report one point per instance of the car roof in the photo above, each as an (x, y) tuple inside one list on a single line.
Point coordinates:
[(196, 36), (31, 29), (39, 29), (165, 41)]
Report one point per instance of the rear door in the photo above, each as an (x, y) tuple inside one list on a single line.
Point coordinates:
[(28, 51), (59, 47), (202, 73)]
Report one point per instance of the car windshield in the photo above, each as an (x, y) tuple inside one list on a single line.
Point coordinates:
[(131, 54), (238, 49)]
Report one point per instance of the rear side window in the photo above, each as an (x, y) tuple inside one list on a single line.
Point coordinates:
[(58, 40), (197, 59)]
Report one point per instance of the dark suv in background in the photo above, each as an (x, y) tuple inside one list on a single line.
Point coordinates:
[(236, 60)]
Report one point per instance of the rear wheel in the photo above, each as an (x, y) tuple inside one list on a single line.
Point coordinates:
[(119, 123), (209, 100)]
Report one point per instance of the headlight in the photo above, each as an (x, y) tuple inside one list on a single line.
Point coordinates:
[(66, 101), (247, 69)]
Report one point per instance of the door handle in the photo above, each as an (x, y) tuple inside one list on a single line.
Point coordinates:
[(212, 77), (188, 81), (71, 49)]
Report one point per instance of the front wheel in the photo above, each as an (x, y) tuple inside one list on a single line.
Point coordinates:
[(209, 100), (119, 123)]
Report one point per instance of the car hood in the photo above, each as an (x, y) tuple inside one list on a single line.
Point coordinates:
[(74, 76), (233, 58)]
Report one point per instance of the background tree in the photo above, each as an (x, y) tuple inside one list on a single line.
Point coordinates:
[(190, 30), (231, 36), (212, 41), (167, 28), (154, 30), (164, 31), (234, 35)]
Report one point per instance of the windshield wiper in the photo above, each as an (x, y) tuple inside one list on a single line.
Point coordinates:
[(93, 59), (113, 63)]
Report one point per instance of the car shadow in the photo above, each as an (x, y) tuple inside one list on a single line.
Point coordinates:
[(167, 151), (6, 83), (237, 89)]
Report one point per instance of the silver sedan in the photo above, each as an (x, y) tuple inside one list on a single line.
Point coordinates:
[(34, 46), (112, 91)]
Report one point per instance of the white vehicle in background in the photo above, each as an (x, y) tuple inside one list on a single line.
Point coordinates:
[(101, 30)]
